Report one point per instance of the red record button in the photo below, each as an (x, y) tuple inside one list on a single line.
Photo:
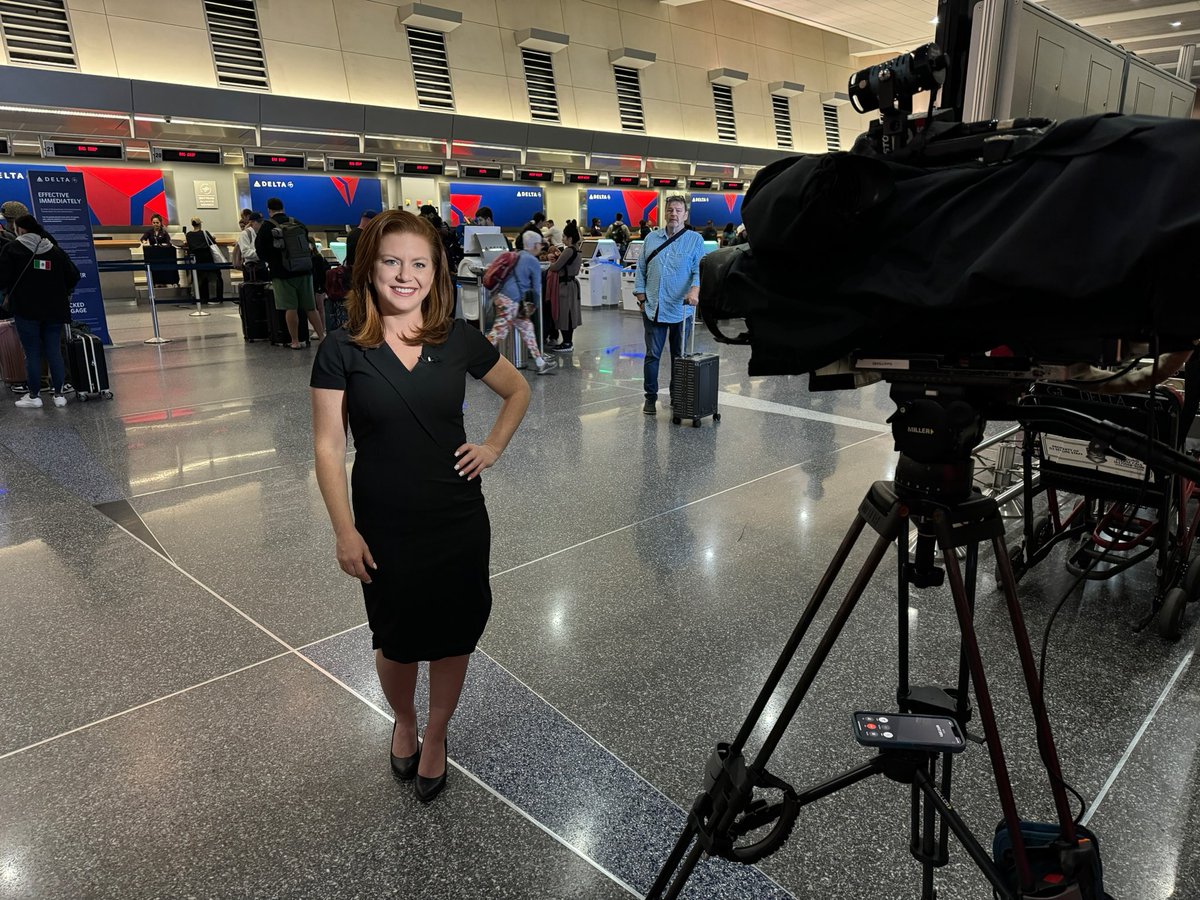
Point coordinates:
[(871, 726)]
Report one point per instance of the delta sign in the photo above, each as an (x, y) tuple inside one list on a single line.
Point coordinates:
[(633, 205), (721, 208), (511, 205), (317, 200)]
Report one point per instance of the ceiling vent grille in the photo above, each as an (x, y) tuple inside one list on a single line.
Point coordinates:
[(783, 122), (237, 45), (723, 103), (833, 136), (431, 68), (629, 99), (38, 33), (539, 85)]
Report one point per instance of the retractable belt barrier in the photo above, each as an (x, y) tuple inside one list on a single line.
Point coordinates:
[(186, 266)]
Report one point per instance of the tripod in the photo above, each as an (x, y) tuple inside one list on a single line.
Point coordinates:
[(935, 427)]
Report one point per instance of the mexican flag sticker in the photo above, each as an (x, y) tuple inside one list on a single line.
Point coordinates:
[(43, 264)]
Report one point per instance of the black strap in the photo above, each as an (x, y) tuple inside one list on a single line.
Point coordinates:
[(663, 246)]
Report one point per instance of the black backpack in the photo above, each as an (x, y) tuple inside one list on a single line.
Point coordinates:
[(291, 240)]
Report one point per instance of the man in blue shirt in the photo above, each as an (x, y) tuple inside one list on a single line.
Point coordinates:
[(668, 280)]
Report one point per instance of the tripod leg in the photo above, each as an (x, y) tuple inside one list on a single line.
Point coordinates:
[(798, 633), (987, 713), (1045, 738)]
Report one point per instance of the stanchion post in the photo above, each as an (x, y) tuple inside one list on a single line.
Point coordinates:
[(157, 339)]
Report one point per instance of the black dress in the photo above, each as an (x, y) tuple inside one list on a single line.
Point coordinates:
[(425, 525)]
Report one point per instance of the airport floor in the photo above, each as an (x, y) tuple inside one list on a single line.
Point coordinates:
[(189, 704)]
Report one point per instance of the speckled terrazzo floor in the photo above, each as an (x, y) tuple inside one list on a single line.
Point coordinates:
[(190, 707)]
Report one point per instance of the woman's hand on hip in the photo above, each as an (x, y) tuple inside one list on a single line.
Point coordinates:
[(354, 556), (474, 458)]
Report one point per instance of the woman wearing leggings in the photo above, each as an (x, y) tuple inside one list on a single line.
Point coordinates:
[(523, 282)]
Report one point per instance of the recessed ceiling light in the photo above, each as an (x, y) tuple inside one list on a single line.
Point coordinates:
[(1176, 24)]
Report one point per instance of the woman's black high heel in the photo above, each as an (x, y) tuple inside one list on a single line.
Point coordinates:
[(428, 788), (404, 767)]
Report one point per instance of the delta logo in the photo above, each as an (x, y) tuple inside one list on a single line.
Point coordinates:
[(529, 193), (601, 196), (267, 183), (12, 176), (54, 179)]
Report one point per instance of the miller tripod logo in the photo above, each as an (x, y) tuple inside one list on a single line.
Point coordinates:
[(919, 429)]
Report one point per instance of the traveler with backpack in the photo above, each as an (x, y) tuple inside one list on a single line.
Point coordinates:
[(37, 278), (515, 280), (282, 243), (618, 231)]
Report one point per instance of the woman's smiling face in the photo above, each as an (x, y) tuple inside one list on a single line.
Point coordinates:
[(404, 272)]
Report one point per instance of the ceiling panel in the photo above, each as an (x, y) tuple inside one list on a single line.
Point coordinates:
[(1143, 26)]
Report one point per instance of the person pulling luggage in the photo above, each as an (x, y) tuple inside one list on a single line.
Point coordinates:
[(37, 278)]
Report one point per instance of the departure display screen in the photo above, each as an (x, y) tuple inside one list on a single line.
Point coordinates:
[(535, 175), (180, 154), (420, 168), (276, 161), (4, 149), (664, 182), (339, 164), (83, 150), (626, 180), (701, 184), (480, 171), (733, 185), (583, 178)]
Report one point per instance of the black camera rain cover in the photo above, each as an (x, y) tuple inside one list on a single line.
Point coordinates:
[(1093, 232)]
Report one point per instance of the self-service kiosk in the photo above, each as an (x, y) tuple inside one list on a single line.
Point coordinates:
[(481, 244), (602, 273)]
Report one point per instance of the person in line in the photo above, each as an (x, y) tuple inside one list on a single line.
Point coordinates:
[(596, 231), (293, 290), (352, 241), (618, 231), (245, 253), (37, 278), (414, 527), (564, 272), (644, 229), (554, 234), (668, 279), (320, 268), (710, 231), (200, 244), (727, 235), (523, 283), (534, 225), (11, 210)]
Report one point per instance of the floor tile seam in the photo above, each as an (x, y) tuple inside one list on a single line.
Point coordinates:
[(166, 554), (1141, 732), (117, 715), (486, 787), (183, 487), (188, 575), (668, 512), (205, 405), (655, 788)]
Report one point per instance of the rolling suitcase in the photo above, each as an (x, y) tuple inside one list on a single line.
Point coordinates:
[(12, 357), (86, 366), (279, 330), (257, 304), (694, 377)]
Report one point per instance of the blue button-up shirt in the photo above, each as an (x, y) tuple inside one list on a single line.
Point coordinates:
[(670, 275)]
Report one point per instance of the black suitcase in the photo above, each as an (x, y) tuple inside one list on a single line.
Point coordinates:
[(694, 378), (279, 330), (257, 304), (86, 364)]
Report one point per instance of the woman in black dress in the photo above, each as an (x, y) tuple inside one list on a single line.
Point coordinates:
[(418, 536)]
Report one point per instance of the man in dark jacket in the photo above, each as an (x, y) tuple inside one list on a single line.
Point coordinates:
[(37, 278), (293, 289), (352, 241)]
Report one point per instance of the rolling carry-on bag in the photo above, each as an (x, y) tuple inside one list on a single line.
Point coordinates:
[(694, 377), (279, 330), (12, 357), (86, 366), (257, 303)]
